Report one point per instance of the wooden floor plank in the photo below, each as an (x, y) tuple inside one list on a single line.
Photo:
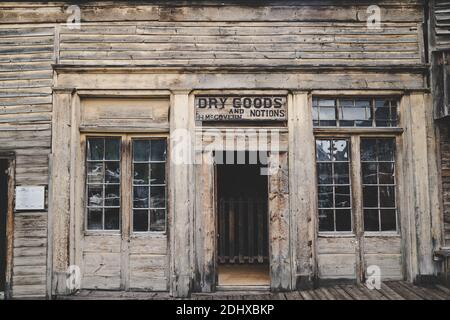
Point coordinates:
[(354, 292), (328, 294), (339, 294), (306, 295), (320, 294), (390, 293), (443, 289), (372, 293), (407, 294), (419, 291)]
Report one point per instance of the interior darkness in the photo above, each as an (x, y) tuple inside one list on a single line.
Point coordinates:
[(242, 212), (3, 211)]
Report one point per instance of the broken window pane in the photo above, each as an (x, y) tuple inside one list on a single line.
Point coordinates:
[(333, 177), (149, 180), (378, 178), (103, 183)]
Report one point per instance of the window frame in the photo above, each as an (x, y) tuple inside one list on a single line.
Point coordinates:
[(355, 134), (338, 98), (125, 221)]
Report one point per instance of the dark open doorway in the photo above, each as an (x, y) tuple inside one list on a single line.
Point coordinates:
[(3, 219), (242, 246)]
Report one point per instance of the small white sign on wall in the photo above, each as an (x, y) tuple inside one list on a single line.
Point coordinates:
[(30, 198)]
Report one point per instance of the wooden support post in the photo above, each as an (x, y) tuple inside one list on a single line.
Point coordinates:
[(59, 199), (419, 168), (279, 224), (181, 193), (302, 182)]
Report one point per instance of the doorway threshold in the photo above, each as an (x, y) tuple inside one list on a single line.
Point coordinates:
[(243, 288)]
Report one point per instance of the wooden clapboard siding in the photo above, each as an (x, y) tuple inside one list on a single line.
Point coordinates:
[(445, 169), (441, 19), (26, 77), (29, 254), (232, 43)]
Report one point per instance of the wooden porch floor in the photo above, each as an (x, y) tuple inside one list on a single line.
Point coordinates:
[(390, 290)]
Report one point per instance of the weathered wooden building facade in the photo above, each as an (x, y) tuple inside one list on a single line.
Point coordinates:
[(123, 120)]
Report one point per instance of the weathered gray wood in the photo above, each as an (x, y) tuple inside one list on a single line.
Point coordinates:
[(279, 223), (181, 194), (302, 196), (60, 193)]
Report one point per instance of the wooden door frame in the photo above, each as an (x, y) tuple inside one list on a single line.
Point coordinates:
[(11, 159)]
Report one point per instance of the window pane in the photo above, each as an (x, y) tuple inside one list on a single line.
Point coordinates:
[(326, 220), (368, 149), (95, 195), (386, 149), (112, 172), (112, 149), (388, 220), (95, 172), (340, 150), (95, 148), (386, 173), (341, 173), (342, 195), (158, 151), (324, 172), (387, 197), (325, 197), (323, 150), (141, 174), (94, 219), (370, 197), (157, 220), (141, 150), (157, 197), (369, 172), (158, 174), (371, 220), (112, 218), (140, 197), (140, 220), (112, 196), (343, 220)]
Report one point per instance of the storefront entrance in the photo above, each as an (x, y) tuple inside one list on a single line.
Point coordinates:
[(242, 246)]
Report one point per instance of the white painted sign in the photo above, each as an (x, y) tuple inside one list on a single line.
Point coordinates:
[(30, 198), (241, 108)]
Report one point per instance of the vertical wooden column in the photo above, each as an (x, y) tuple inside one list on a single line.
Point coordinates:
[(279, 225), (302, 190), (181, 196), (420, 169), (59, 198), (205, 223)]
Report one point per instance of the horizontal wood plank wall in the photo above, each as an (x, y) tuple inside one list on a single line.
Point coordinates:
[(26, 77), (441, 19), (249, 43), (445, 167)]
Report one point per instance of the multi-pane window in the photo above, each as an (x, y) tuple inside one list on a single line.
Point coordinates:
[(106, 193), (355, 112), (378, 179), (103, 183), (149, 185), (334, 187)]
